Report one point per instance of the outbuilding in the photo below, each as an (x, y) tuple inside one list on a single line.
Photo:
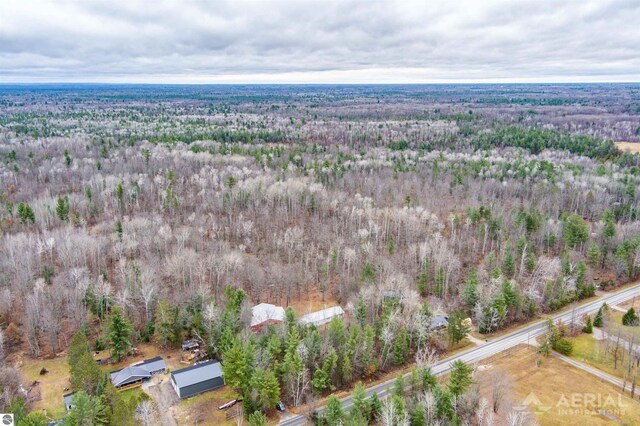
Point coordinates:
[(264, 314), (68, 401), (322, 317), (201, 377), (189, 345)]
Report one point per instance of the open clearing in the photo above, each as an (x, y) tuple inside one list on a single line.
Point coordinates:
[(555, 391), (312, 301), (592, 352), (52, 384), (632, 147)]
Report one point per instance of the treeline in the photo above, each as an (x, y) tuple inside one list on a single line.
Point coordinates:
[(95, 401), (535, 140)]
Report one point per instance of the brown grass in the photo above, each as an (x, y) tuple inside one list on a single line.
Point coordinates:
[(552, 381), (632, 147), (313, 301), (203, 408), (51, 384), (145, 351), (635, 303)]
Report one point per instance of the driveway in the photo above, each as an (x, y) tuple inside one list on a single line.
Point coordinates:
[(161, 391)]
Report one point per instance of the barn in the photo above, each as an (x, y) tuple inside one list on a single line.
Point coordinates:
[(201, 377), (322, 317), (264, 314)]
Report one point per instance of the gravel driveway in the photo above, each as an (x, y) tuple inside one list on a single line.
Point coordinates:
[(166, 399)]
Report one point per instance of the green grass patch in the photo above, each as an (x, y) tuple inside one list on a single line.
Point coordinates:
[(593, 352)]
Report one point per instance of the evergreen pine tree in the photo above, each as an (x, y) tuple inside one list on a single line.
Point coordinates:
[(119, 334), (334, 414), (630, 318), (460, 378)]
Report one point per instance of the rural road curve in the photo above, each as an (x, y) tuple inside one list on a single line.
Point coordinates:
[(493, 347)]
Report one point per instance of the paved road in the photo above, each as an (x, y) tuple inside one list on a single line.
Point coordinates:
[(493, 347)]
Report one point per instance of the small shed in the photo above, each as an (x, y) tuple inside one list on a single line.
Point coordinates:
[(201, 377), (264, 314), (68, 401), (189, 345), (322, 317)]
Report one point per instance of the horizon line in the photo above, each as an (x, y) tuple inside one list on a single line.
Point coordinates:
[(257, 83)]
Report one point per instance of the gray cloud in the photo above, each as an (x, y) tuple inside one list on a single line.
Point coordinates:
[(319, 40)]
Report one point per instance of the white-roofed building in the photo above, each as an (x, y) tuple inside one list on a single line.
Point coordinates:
[(265, 314), (322, 317)]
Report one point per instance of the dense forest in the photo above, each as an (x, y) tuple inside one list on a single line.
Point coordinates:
[(159, 213)]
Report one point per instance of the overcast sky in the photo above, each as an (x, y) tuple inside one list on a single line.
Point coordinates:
[(324, 41)]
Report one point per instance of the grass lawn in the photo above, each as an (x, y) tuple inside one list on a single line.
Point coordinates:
[(615, 317), (554, 385), (135, 395), (145, 351), (203, 408), (592, 352), (51, 384)]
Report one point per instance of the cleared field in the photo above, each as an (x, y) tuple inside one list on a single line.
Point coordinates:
[(632, 147), (51, 385), (312, 301), (590, 351), (145, 351), (557, 393)]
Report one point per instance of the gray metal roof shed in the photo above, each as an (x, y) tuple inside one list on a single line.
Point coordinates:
[(198, 378), (68, 401)]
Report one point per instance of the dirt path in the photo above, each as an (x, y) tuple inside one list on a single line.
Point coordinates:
[(166, 399)]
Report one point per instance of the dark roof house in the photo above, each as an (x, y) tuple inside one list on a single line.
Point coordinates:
[(154, 365), (138, 372), (439, 322), (198, 378)]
